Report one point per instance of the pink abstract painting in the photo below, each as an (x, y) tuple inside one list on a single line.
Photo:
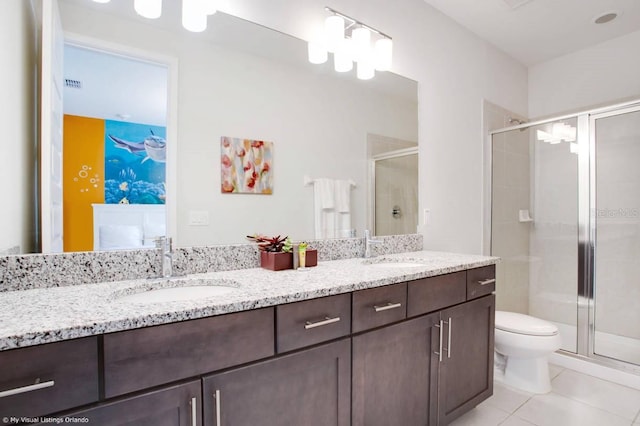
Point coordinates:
[(246, 166)]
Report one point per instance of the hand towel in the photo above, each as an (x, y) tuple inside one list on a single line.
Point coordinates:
[(343, 196)]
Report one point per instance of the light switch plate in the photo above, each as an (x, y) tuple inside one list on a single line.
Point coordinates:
[(199, 218)]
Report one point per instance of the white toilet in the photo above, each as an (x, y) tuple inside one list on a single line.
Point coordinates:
[(523, 344)]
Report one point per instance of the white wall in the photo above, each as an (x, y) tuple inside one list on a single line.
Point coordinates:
[(601, 74), (319, 126), (456, 70), (18, 62)]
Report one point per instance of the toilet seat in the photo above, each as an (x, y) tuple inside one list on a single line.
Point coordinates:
[(524, 324)]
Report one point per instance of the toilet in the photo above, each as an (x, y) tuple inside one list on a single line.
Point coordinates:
[(523, 344)]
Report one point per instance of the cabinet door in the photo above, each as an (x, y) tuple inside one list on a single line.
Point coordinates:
[(466, 370), (311, 387), (394, 374), (175, 406)]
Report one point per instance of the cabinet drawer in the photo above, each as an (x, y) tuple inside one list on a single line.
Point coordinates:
[(431, 294), (139, 359), (379, 306), (48, 378), (313, 321), (481, 281)]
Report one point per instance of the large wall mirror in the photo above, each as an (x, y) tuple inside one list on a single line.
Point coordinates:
[(242, 80)]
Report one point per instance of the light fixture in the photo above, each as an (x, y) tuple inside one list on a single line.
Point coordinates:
[(194, 15), (559, 132), (351, 41), (151, 9), (342, 61), (194, 12), (334, 31)]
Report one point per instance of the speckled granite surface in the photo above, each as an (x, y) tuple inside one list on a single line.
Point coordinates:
[(36, 316), (57, 270)]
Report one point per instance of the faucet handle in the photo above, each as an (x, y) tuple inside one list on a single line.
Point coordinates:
[(367, 234)]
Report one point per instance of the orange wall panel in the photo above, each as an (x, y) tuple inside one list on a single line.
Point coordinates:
[(83, 178)]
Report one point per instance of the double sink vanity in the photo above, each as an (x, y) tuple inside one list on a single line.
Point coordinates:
[(401, 339)]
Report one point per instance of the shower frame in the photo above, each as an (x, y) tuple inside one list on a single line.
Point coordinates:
[(586, 285)]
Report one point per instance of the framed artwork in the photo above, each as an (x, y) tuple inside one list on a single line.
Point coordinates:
[(246, 166)]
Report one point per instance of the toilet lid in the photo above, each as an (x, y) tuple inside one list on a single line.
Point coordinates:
[(524, 324)]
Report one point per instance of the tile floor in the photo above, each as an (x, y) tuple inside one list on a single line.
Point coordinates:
[(576, 400)]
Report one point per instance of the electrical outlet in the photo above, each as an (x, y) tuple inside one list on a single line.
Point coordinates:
[(199, 218), (426, 216)]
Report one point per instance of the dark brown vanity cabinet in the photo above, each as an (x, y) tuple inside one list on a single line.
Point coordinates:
[(394, 374), (432, 368), (465, 376), (412, 353), (310, 387), (173, 406)]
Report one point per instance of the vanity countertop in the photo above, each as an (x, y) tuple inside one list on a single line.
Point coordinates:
[(37, 316)]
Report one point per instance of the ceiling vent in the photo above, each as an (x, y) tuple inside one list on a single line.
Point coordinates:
[(72, 84), (514, 4)]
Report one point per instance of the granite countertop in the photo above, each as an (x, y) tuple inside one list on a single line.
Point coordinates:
[(37, 316)]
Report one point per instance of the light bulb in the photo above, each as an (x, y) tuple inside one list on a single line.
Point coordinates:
[(342, 61), (150, 9), (317, 52), (383, 54), (194, 17), (366, 67), (334, 32), (361, 42), (102, 1)]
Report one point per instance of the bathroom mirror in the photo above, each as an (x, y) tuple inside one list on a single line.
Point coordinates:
[(242, 80)]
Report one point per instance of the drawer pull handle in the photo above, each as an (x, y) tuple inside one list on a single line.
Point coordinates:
[(387, 307), (326, 321), (439, 353), (29, 388), (194, 411), (487, 282), (218, 415)]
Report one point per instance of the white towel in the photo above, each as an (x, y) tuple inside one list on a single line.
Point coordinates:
[(324, 218), (343, 196), (325, 188)]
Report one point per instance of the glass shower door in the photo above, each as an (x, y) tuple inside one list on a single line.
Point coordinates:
[(616, 221)]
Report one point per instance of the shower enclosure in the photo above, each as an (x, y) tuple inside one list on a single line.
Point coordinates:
[(565, 218)]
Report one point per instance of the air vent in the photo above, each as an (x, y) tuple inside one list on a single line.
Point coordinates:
[(514, 4), (73, 84)]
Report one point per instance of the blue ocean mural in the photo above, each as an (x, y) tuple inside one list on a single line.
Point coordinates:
[(135, 156)]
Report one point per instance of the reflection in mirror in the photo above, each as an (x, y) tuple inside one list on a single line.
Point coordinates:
[(114, 151), (241, 80)]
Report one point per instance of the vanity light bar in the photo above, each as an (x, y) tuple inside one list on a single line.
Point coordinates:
[(355, 22), (353, 47)]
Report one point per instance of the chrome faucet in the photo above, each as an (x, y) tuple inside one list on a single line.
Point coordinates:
[(368, 241), (165, 249)]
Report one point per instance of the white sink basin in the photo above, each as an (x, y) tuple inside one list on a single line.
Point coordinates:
[(391, 264), (177, 291)]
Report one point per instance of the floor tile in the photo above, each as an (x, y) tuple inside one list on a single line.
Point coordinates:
[(515, 421), (554, 370), (506, 398), (482, 415), (553, 409), (617, 399)]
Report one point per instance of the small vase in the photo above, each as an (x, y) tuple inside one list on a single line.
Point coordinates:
[(276, 261)]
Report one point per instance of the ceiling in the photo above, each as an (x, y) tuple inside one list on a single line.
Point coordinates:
[(535, 31)]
